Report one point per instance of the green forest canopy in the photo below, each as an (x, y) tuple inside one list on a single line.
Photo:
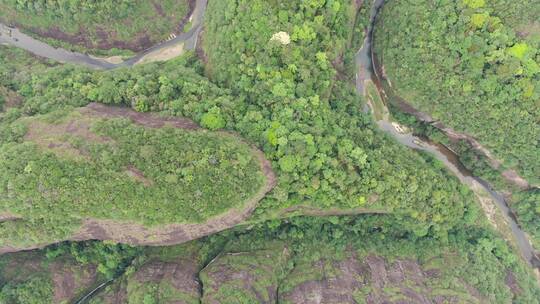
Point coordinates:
[(68, 165), (297, 103), (474, 65), (474, 264), (330, 166), (301, 110)]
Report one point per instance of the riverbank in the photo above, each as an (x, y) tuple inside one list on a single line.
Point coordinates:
[(493, 204), (101, 29), (403, 106), (183, 41)]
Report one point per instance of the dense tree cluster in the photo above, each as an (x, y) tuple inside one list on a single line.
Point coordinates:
[(474, 65), (36, 290), (69, 10), (305, 116), (527, 207), (479, 74), (300, 106), (291, 96), (148, 176), (524, 202), (327, 154), (472, 263)]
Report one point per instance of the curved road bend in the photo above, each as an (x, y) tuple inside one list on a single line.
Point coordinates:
[(13, 36)]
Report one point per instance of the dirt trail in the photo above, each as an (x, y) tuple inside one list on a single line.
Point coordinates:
[(314, 211), (144, 119)]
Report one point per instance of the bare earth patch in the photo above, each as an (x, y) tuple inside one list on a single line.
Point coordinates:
[(163, 54), (55, 137), (5, 217), (111, 59), (137, 174), (529, 30), (11, 98), (144, 119), (69, 280), (314, 211)]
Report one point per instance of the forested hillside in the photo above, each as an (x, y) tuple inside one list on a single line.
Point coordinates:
[(326, 151), (321, 163), (302, 108), (99, 25), (336, 259), (262, 128), (473, 65), (68, 166)]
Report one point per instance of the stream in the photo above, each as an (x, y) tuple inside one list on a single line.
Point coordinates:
[(13, 36), (369, 71), (366, 72)]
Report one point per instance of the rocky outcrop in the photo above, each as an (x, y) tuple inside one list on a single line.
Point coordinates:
[(370, 279), (172, 282), (248, 276)]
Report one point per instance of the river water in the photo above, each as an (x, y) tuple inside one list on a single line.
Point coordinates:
[(13, 36), (368, 70)]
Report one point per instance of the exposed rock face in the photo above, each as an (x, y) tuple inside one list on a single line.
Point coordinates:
[(250, 276), (371, 280), (333, 282), (70, 280), (268, 275), (170, 282)]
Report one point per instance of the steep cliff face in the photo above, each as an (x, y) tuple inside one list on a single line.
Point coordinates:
[(256, 267), (160, 281), (371, 279), (29, 275)]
